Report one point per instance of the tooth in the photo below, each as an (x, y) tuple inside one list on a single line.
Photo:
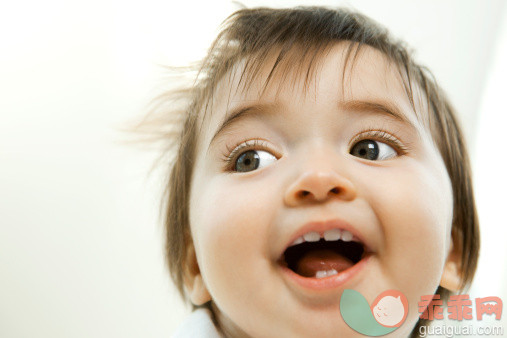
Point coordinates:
[(312, 236), (321, 274), (331, 272), (346, 236), (332, 235), (298, 240)]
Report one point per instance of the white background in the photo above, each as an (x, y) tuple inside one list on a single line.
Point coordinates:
[(81, 247)]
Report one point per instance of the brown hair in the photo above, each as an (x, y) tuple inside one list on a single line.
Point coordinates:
[(297, 35)]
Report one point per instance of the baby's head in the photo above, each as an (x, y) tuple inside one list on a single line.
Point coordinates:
[(316, 156)]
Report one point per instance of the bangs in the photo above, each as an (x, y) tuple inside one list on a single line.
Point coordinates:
[(298, 66), (290, 64), (290, 45)]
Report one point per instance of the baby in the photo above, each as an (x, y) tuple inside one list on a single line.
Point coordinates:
[(315, 156)]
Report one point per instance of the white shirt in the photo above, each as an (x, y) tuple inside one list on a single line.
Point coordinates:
[(198, 324)]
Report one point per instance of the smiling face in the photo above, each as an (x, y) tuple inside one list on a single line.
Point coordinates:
[(389, 311), (309, 191)]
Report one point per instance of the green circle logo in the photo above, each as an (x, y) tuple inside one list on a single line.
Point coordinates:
[(387, 312)]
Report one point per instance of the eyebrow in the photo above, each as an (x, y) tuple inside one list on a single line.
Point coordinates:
[(379, 107), (241, 113), (376, 107)]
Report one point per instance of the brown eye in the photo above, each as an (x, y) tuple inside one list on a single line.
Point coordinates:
[(373, 150), (253, 159)]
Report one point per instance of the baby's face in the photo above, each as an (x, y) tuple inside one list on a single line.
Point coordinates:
[(352, 163)]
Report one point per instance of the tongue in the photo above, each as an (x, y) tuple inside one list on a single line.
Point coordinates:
[(321, 260)]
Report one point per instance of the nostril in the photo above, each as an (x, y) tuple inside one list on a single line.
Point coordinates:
[(318, 187), (335, 190), (304, 193)]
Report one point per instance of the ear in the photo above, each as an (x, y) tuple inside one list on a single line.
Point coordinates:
[(192, 278), (451, 277)]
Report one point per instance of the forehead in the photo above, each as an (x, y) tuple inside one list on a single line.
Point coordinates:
[(334, 72)]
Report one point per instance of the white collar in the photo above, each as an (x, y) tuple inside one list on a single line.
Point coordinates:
[(198, 324)]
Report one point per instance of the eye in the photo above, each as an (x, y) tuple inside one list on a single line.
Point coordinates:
[(253, 159), (373, 150)]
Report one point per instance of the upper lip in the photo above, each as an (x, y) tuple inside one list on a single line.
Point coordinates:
[(324, 225)]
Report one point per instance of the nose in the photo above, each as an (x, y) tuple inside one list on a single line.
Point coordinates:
[(318, 185)]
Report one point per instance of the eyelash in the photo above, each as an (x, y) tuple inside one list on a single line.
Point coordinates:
[(230, 157), (382, 136), (368, 134)]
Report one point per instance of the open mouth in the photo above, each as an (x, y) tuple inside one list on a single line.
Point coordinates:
[(317, 255)]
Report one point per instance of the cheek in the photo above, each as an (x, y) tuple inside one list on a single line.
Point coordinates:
[(230, 223), (414, 206)]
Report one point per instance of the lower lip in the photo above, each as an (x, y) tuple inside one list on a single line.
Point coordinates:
[(326, 283)]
